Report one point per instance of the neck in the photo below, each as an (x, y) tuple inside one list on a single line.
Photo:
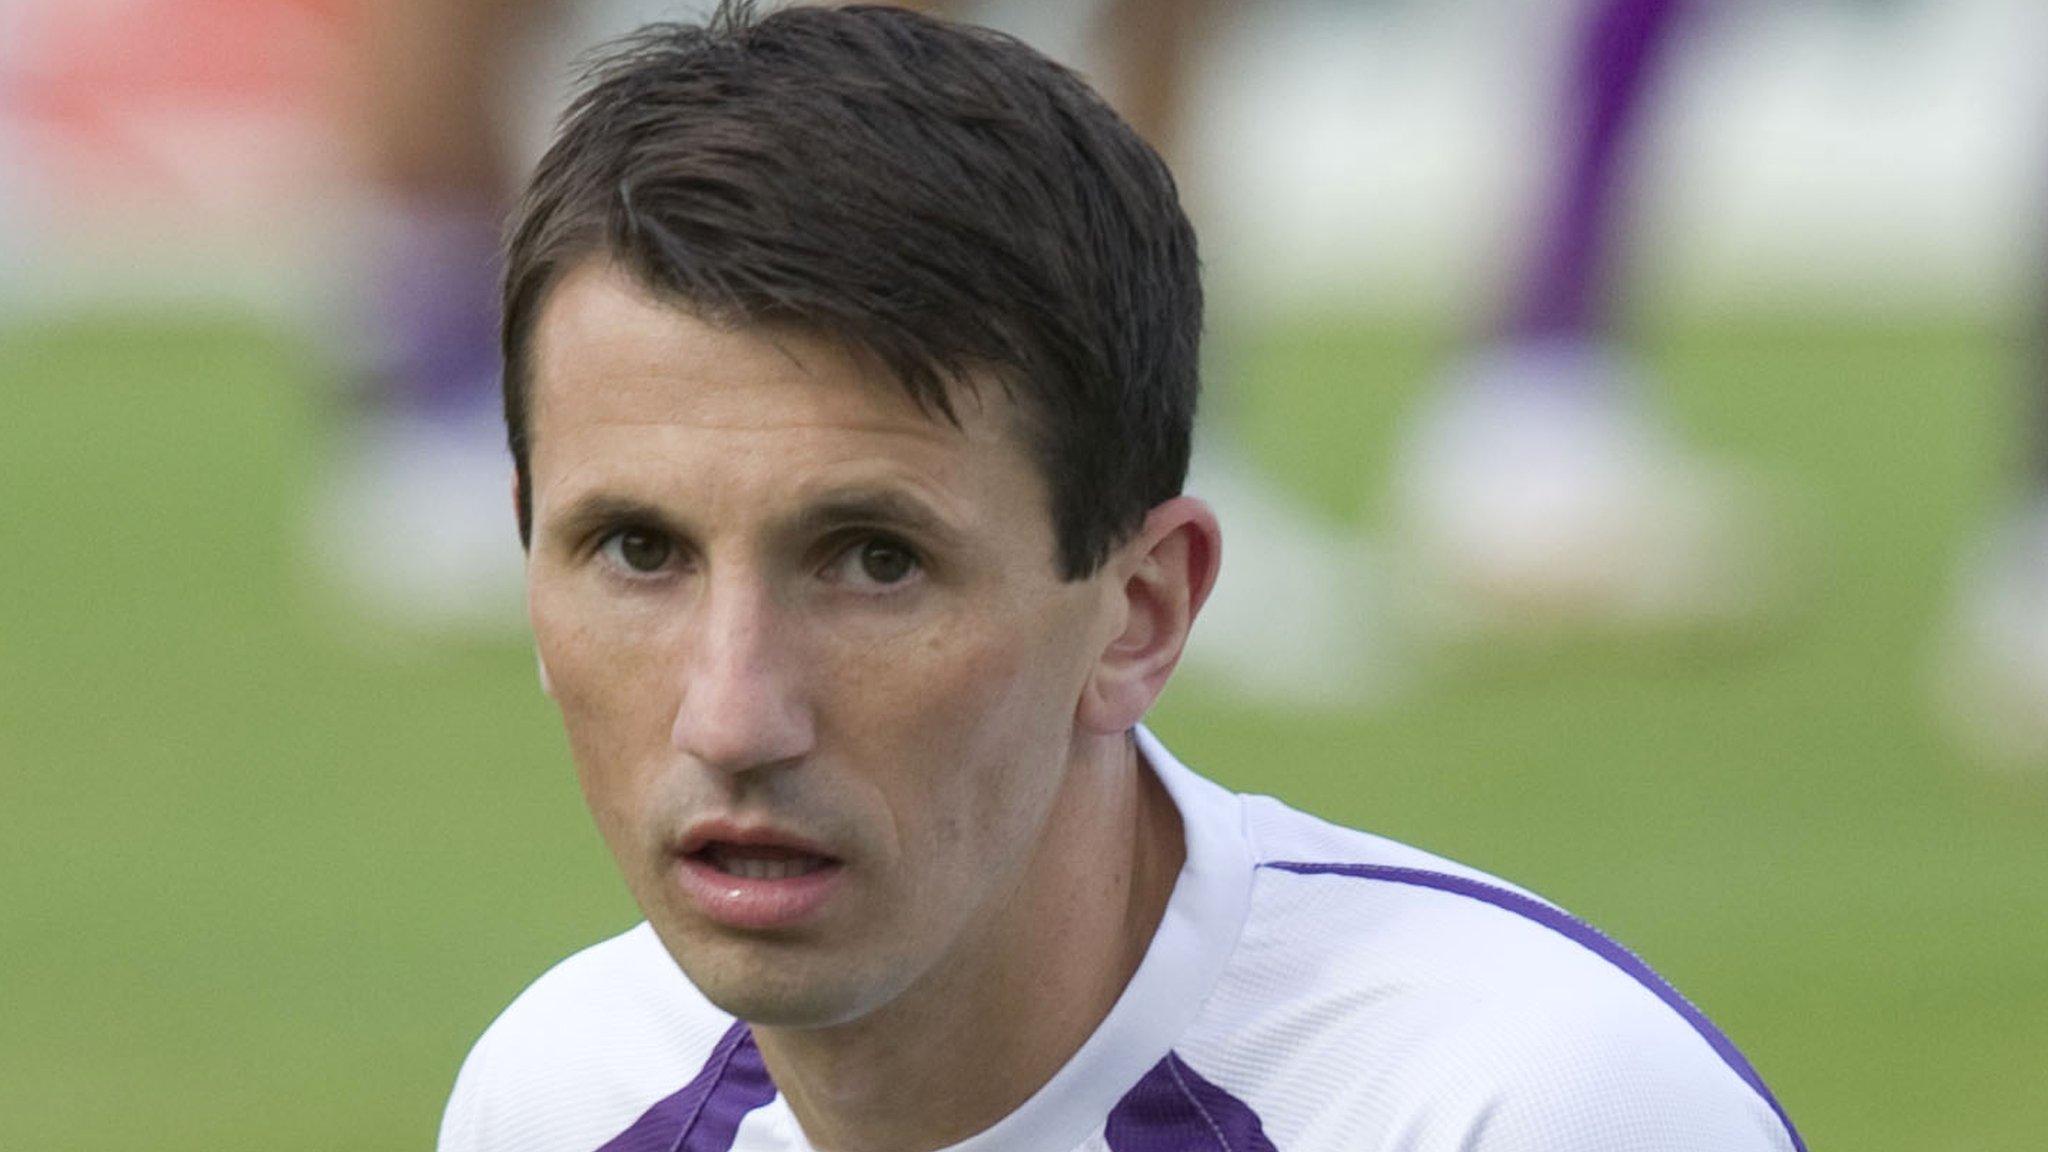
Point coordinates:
[(990, 1026)]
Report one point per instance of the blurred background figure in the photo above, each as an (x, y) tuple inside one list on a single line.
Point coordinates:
[(412, 520), (1540, 487)]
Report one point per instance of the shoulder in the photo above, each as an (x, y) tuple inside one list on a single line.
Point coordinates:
[(1384, 997), (587, 1048)]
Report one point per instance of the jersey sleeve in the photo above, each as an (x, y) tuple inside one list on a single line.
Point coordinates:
[(1536, 1080), (501, 1103), (582, 1052), (461, 1126)]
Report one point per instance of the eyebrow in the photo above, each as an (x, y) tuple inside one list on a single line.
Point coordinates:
[(861, 507), (603, 510), (874, 508)]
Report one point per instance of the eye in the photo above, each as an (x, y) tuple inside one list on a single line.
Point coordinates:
[(877, 561), (885, 562), (638, 551)]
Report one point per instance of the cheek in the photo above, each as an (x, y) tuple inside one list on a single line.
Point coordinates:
[(969, 725), (605, 677), (943, 690)]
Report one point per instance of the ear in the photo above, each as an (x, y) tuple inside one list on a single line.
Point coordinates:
[(547, 682), (1164, 573)]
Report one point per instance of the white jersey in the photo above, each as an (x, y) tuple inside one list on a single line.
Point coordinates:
[(1310, 989)]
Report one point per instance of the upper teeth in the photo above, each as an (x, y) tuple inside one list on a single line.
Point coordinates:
[(764, 868)]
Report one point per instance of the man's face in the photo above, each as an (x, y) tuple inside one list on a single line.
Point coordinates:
[(818, 670)]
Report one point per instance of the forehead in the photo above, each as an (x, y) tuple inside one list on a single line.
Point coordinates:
[(624, 383)]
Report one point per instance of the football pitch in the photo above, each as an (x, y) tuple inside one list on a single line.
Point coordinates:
[(263, 877)]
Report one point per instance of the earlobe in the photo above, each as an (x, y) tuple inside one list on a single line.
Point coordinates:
[(1166, 572)]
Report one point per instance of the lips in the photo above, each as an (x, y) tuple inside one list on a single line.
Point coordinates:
[(753, 878)]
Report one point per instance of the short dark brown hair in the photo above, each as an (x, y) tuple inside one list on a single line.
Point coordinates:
[(939, 195)]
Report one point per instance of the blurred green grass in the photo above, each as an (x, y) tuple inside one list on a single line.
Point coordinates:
[(261, 882)]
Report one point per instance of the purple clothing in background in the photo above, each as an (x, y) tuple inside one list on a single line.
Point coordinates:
[(1565, 290), (436, 308)]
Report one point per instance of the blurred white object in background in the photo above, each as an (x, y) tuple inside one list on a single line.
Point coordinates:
[(1534, 490), (1992, 671), (1298, 616), (413, 528)]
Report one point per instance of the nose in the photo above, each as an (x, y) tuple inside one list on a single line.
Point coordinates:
[(742, 702)]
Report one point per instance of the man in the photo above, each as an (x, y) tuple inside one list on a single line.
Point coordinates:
[(851, 367)]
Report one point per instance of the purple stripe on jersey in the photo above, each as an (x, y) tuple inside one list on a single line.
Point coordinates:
[(1568, 925), (1173, 1110), (705, 1115)]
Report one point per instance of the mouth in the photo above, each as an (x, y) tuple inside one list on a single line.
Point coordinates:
[(755, 879), (758, 861)]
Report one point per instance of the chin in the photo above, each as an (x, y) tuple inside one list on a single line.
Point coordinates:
[(781, 1002), (781, 984)]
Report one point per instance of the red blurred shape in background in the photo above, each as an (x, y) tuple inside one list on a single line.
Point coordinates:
[(206, 107)]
